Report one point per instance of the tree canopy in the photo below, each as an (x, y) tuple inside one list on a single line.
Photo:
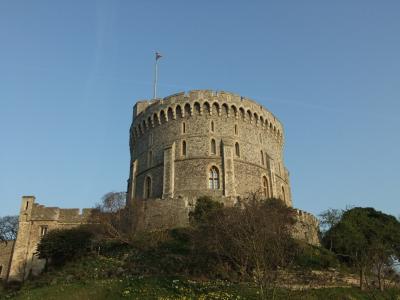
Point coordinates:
[(8, 228), (366, 239)]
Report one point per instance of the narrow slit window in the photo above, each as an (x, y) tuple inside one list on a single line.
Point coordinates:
[(184, 148), (147, 187), (237, 150), (265, 187), (213, 147), (183, 127)]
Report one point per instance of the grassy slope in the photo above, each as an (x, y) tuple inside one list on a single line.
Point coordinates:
[(98, 278), (168, 288)]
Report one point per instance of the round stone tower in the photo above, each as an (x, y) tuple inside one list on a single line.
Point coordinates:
[(203, 142)]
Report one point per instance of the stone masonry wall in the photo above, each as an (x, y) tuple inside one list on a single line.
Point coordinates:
[(248, 147), (34, 221), (306, 227), (158, 214), (6, 249)]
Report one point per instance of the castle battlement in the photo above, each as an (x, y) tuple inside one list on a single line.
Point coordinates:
[(149, 113), (32, 211), (307, 217)]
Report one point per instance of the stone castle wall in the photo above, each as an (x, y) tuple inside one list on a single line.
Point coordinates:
[(6, 249), (306, 227), (171, 144), (34, 221), (158, 214)]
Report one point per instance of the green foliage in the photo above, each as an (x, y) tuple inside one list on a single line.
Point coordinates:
[(168, 252), (363, 230), (367, 240), (313, 257), (205, 207), (61, 245)]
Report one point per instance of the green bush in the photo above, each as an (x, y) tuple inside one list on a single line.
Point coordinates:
[(313, 257), (62, 245), (205, 207)]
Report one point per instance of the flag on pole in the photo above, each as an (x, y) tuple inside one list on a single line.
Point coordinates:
[(158, 55)]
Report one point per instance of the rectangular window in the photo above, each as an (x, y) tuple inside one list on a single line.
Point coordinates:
[(43, 230)]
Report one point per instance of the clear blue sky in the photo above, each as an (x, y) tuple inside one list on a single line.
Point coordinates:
[(71, 71)]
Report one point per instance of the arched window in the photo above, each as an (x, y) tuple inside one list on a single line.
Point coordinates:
[(212, 126), (147, 187), (197, 107), (213, 147), (183, 127), (187, 110), (237, 150), (283, 194), (170, 113), (262, 157), (213, 178), (183, 148), (150, 158), (178, 111), (265, 187)]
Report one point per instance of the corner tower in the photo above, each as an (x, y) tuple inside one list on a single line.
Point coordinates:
[(205, 143)]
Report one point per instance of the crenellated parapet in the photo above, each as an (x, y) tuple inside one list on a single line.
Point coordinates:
[(306, 217), (306, 227), (150, 113)]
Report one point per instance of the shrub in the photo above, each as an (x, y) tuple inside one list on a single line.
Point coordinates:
[(312, 257), (205, 207), (61, 245)]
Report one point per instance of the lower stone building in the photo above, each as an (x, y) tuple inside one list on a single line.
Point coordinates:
[(6, 249), (34, 222)]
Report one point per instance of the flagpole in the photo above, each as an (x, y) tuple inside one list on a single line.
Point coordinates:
[(158, 56), (155, 78)]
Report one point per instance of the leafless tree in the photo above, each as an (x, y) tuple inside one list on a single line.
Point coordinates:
[(112, 218), (255, 238), (8, 228)]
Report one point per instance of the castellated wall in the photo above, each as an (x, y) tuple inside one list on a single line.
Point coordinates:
[(175, 142), (6, 249), (35, 221), (306, 227)]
